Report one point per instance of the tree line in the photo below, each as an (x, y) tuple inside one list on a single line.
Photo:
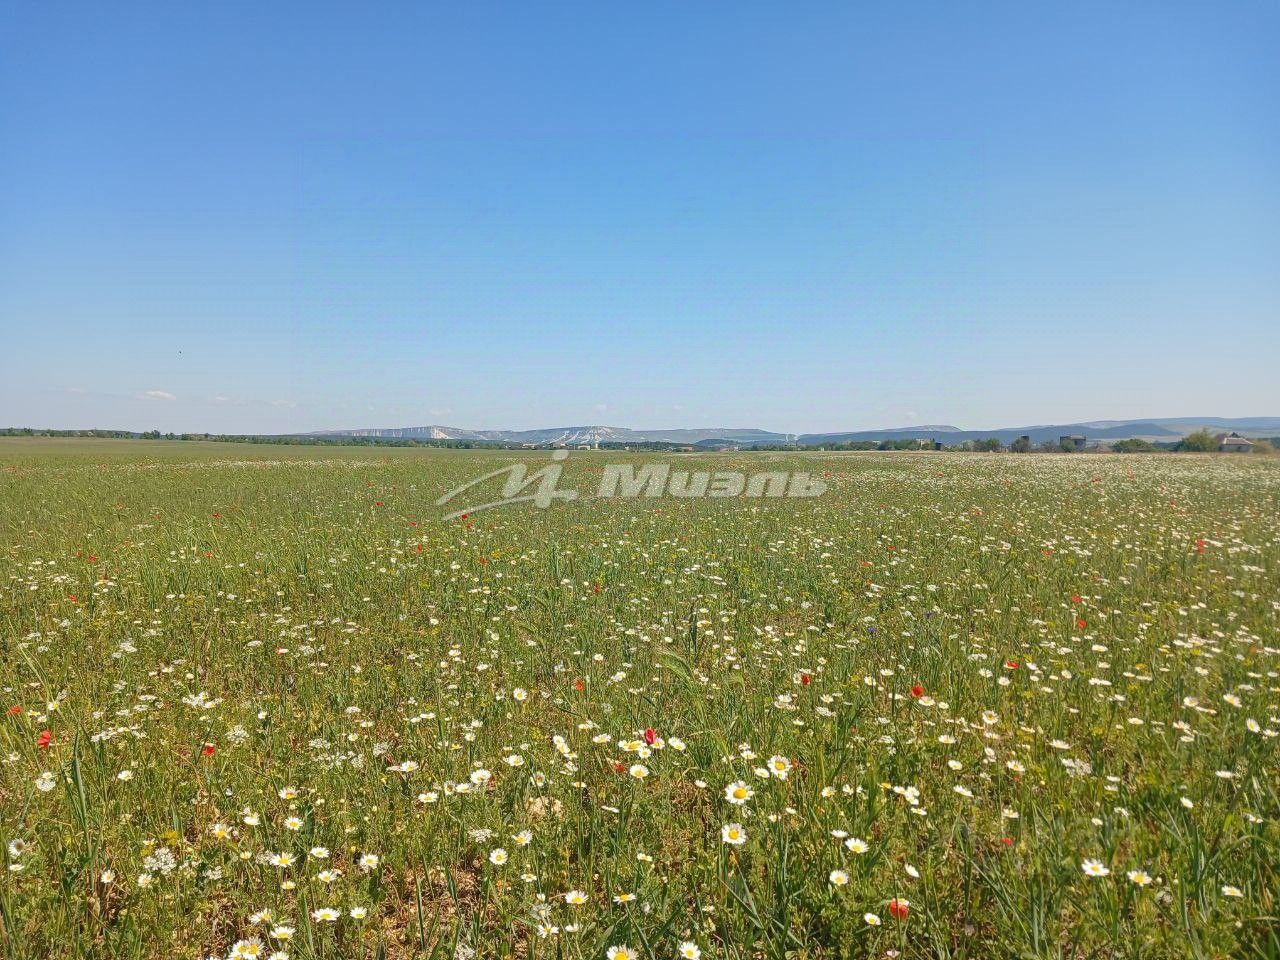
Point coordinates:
[(1202, 441)]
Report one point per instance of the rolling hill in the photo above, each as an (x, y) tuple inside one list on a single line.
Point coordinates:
[(1162, 429)]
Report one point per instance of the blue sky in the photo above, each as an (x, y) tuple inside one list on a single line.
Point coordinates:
[(802, 217)]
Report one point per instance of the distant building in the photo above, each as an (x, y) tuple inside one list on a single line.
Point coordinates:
[(927, 443), (1234, 443), (1072, 442)]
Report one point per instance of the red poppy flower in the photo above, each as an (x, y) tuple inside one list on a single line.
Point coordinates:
[(1007, 841), (579, 685), (805, 679), (15, 710), (207, 750), (1011, 664), (619, 767), (45, 738), (1080, 624), (917, 691), (650, 736), (1075, 598), (464, 516), (899, 908)]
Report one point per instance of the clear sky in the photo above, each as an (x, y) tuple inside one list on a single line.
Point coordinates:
[(796, 216)]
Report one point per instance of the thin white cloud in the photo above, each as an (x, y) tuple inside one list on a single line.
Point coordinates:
[(157, 395)]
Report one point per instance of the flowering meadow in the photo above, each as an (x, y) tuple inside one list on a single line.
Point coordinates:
[(265, 702)]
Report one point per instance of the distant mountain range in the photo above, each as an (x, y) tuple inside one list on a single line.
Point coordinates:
[(570, 436), (1167, 429)]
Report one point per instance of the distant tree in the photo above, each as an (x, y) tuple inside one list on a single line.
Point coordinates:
[(1202, 441), (1021, 445), (1263, 445), (988, 445), (1133, 445)]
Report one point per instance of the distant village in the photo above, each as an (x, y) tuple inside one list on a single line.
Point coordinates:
[(1199, 442)]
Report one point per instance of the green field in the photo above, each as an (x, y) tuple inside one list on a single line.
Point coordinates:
[(264, 701)]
